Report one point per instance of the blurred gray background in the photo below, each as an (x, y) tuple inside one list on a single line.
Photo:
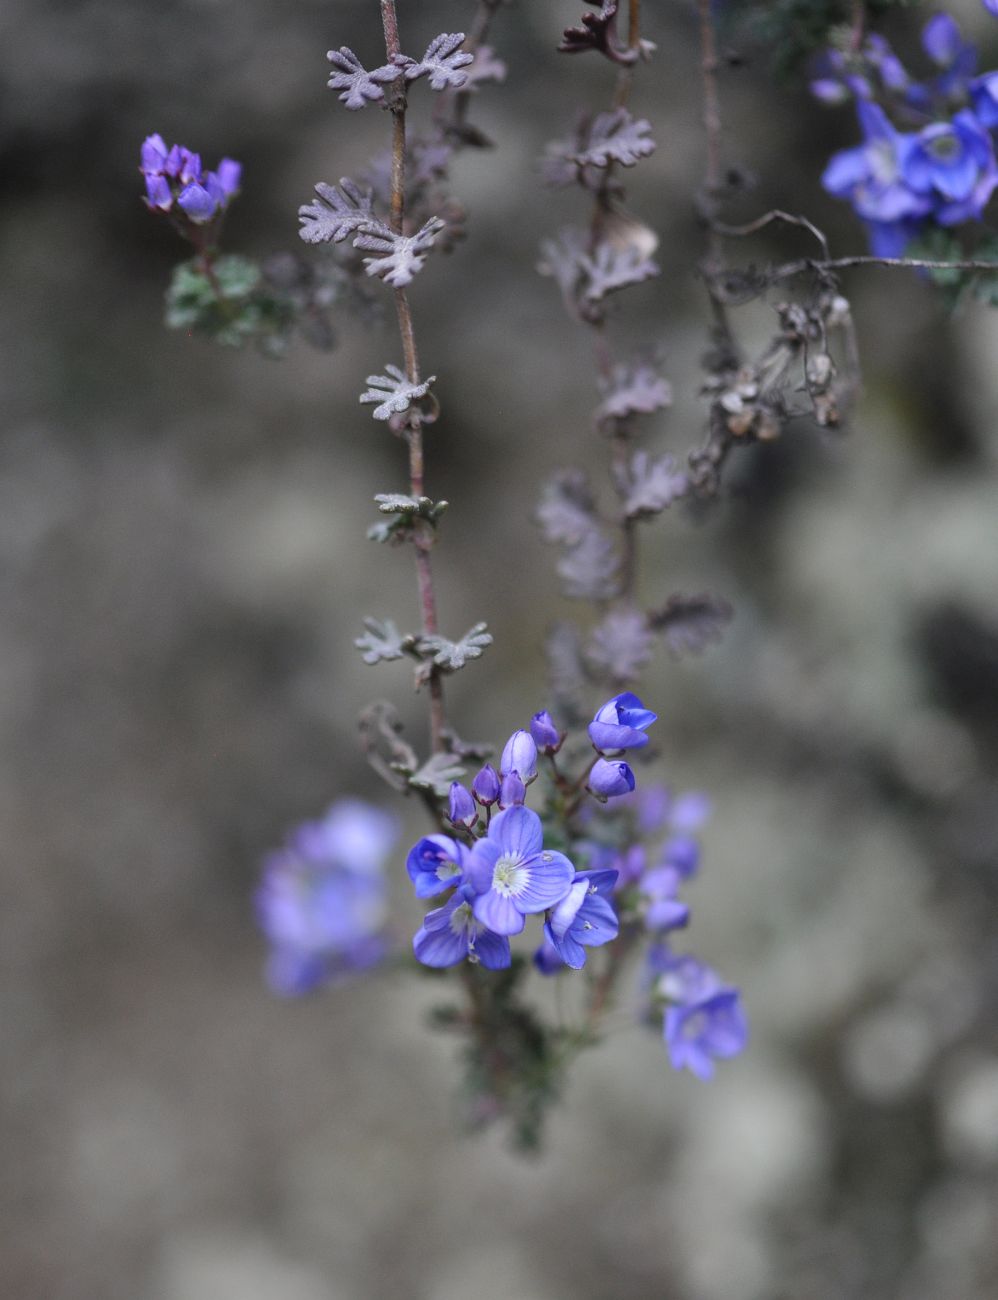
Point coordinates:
[(184, 571)]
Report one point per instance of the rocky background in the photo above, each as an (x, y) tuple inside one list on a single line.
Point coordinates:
[(183, 573)]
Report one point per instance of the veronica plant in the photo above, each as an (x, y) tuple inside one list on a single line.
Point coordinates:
[(563, 838)]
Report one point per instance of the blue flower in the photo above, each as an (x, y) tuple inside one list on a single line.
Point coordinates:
[(870, 175), (704, 1020), (584, 918), (450, 934), (621, 723), (545, 734), (485, 786), (461, 810), (660, 887), (434, 864), (984, 98), (547, 959), (519, 755), (322, 900), (512, 873), (953, 165), (176, 175)]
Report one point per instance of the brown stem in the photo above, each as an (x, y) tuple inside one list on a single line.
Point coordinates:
[(713, 174), (423, 539), (790, 269)]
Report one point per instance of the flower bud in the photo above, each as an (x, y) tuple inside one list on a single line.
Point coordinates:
[(462, 807), (485, 786), (610, 777), (513, 790), (545, 733), (520, 755)]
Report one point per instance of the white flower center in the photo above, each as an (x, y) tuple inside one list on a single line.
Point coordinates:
[(461, 918), (510, 876), (447, 869)]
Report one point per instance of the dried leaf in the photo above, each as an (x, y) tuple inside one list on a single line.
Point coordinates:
[(590, 569), (567, 509), (393, 391), (380, 641), (359, 86), (441, 63), (690, 623), (399, 257), (449, 656), (632, 390), (621, 645), (610, 269), (340, 211), (616, 137), (437, 774), (386, 751), (599, 32), (654, 484), (562, 258)]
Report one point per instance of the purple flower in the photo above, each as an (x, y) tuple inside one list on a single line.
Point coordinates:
[(462, 810), (158, 193), (545, 734), (229, 174), (984, 98), (175, 175), (621, 723), (197, 203), (953, 164), (519, 755), (584, 918), (991, 6), (664, 911), (434, 864), (870, 175), (451, 933), (513, 874), (705, 1019), (512, 791), (610, 777), (322, 900), (154, 154), (485, 786)]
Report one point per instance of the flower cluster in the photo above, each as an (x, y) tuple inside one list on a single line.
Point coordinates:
[(501, 872), (175, 180), (942, 170), (322, 901)]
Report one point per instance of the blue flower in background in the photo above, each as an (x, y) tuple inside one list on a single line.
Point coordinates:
[(322, 900), (704, 1019), (952, 164)]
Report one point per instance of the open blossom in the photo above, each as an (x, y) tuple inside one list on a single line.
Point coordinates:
[(322, 901), (585, 918), (621, 723), (953, 165), (434, 864), (704, 1018), (512, 873), (452, 934)]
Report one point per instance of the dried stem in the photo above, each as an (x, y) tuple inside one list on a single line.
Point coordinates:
[(423, 539), (713, 181)]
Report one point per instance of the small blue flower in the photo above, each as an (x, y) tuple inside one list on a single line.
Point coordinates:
[(512, 792), (513, 874), (434, 864), (584, 918), (664, 911), (705, 1019), (953, 164), (322, 901), (451, 934), (610, 777), (197, 203), (984, 98), (621, 723), (991, 6)]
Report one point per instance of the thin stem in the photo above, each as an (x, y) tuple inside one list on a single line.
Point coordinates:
[(713, 174), (790, 269), (423, 539)]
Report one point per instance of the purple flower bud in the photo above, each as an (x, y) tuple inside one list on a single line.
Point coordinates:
[(197, 203), (545, 733), (229, 174), (682, 852), (519, 755), (158, 192), (941, 39), (462, 806), (610, 777), (153, 155), (190, 167), (620, 723), (513, 790), (485, 786), (174, 161)]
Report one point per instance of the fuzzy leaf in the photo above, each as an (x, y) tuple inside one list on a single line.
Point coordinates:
[(567, 509), (393, 391), (611, 268), (340, 211), (380, 641), (621, 645), (400, 503), (690, 623), (599, 32), (452, 655), (437, 774), (654, 484), (562, 258), (359, 86), (616, 137), (400, 257), (441, 63), (633, 390), (590, 569)]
